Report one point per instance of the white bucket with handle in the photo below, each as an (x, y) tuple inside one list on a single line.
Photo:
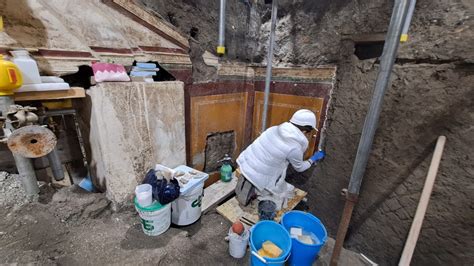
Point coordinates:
[(155, 218), (238, 243)]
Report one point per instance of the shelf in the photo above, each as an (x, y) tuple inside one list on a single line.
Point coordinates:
[(73, 92)]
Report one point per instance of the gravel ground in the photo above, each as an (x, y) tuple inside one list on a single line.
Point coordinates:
[(11, 191), (74, 227)]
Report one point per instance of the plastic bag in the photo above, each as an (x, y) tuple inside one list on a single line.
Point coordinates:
[(163, 190)]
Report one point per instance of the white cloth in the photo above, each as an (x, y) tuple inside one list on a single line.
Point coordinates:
[(265, 161)]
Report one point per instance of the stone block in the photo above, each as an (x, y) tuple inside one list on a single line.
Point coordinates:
[(134, 126)]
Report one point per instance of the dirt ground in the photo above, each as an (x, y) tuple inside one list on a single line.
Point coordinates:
[(72, 227)]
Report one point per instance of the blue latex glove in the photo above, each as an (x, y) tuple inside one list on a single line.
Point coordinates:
[(318, 156)]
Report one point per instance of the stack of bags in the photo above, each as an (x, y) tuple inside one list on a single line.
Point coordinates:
[(144, 72)]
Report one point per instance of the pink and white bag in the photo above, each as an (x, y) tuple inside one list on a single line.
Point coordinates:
[(109, 72)]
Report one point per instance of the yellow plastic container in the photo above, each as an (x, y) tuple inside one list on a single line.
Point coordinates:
[(10, 77)]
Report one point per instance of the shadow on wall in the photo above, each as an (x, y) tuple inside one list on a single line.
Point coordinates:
[(25, 27), (22, 25), (84, 107)]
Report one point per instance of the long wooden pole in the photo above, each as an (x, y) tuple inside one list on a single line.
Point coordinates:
[(422, 204)]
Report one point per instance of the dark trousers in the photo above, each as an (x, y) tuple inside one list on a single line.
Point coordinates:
[(245, 191)]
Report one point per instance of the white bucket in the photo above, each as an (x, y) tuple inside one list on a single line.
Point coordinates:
[(187, 208), (156, 218), (238, 243), (144, 195)]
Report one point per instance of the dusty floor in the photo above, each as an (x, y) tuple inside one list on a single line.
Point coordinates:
[(72, 227)]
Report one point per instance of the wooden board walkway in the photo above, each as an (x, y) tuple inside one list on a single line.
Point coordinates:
[(248, 215), (216, 193)]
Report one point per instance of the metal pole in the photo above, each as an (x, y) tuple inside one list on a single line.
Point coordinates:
[(23, 165), (268, 75), (27, 176), (55, 164), (387, 60), (406, 25), (221, 44)]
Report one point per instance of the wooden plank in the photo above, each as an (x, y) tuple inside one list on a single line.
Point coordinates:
[(73, 92), (66, 182), (366, 38), (232, 210), (216, 193), (423, 204)]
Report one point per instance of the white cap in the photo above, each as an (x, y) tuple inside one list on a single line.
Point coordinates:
[(304, 117)]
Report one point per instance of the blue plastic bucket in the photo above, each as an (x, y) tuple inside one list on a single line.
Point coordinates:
[(269, 230), (301, 253)]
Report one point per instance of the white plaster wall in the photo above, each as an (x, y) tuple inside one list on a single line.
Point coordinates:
[(72, 25), (133, 126)]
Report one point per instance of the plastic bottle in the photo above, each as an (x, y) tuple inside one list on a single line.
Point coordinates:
[(226, 168), (10, 77), (27, 66)]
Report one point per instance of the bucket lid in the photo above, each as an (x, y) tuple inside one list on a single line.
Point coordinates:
[(156, 205), (199, 178)]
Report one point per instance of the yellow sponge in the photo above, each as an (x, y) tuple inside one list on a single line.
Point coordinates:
[(262, 253), (271, 249)]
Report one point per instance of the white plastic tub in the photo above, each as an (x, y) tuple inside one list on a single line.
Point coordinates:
[(187, 208), (238, 243), (27, 65)]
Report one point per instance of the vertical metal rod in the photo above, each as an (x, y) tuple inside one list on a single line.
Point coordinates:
[(24, 165), (27, 176), (221, 43), (406, 25), (370, 125), (5, 102), (56, 165), (342, 230), (268, 75), (383, 78)]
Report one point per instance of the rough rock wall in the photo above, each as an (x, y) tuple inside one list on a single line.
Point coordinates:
[(310, 32), (199, 20), (431, 94), (425, 101)]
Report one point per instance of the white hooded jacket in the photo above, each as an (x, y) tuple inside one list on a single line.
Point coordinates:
[(265, 161)]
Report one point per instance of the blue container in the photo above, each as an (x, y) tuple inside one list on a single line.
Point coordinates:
[(269, 230), (301, 253)]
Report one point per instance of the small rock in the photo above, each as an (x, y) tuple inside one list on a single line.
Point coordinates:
[(3, 176)]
